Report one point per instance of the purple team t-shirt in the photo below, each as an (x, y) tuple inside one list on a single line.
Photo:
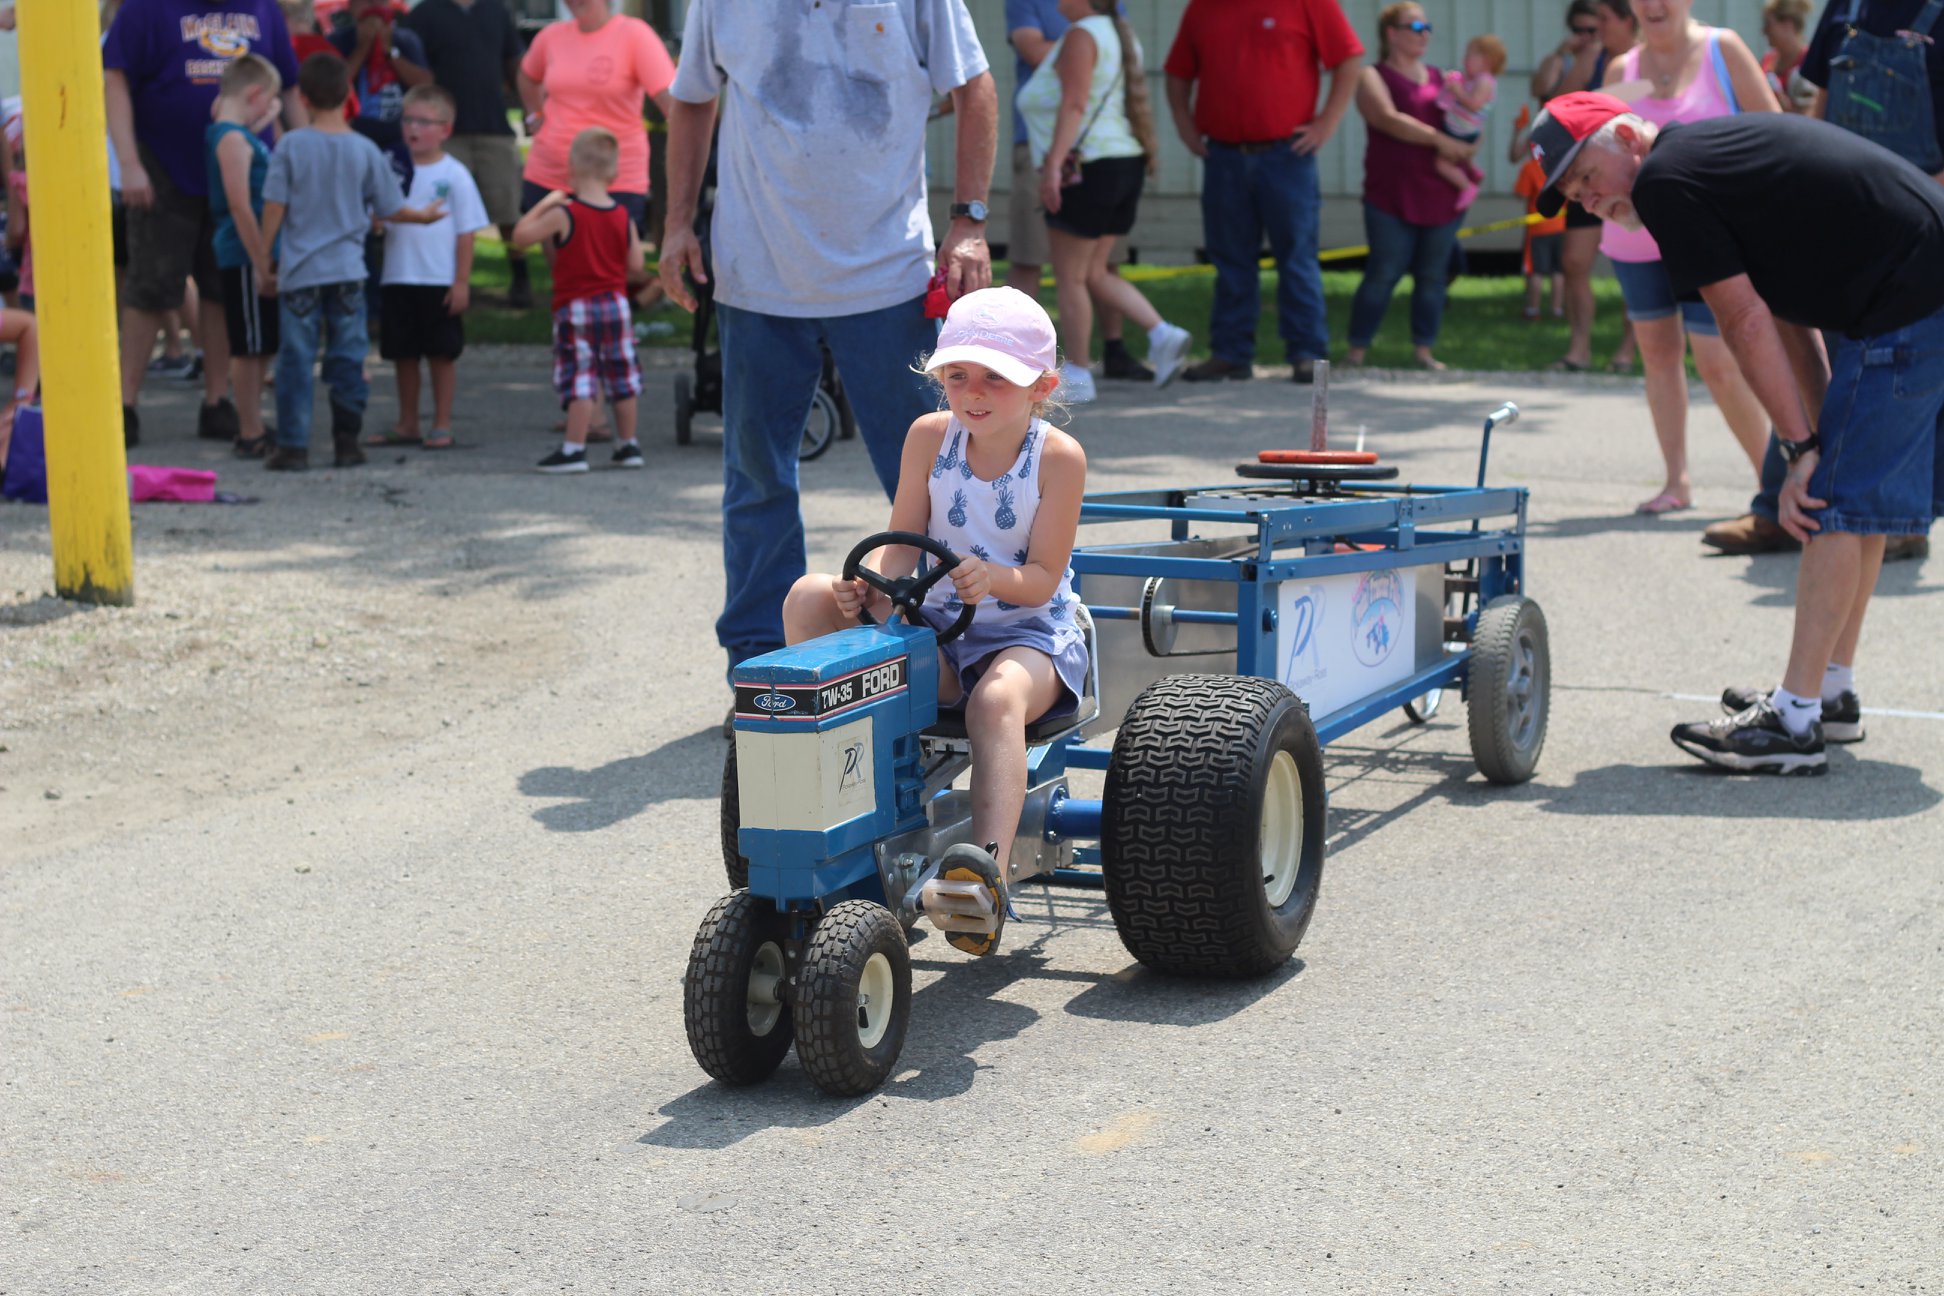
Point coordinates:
[(173, 53)]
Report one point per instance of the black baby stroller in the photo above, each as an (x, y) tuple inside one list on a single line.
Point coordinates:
[(830, 410)]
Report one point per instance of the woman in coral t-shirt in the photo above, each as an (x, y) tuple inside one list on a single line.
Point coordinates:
[(593, 69)]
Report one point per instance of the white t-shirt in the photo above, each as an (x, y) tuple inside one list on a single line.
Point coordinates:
[(429, 254), (820, 198)]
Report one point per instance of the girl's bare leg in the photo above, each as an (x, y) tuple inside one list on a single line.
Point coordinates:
[(1020, 685)]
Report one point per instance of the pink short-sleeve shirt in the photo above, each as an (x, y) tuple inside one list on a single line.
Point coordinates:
[(597, 78)]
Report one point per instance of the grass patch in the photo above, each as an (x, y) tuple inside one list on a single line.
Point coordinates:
[(1483, 324)]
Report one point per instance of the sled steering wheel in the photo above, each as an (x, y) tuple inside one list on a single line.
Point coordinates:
[(907, 595)]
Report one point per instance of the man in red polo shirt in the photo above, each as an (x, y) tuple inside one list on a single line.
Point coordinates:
[(1243, 77)]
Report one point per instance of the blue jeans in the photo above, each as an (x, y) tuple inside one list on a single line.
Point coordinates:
[(1880, 469), (771, 365), (334, 314), (1397, 248), (1245, 196)]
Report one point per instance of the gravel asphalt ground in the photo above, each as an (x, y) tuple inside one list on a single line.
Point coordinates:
[(348, 880)]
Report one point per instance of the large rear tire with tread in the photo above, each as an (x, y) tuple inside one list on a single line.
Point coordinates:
[(1508, 695), (853, 998), (739, 1027), (1212, 825), (734, 863)]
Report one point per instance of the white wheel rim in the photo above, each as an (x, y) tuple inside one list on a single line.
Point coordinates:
[(1282, 829), (763, 1004), (875, 989)]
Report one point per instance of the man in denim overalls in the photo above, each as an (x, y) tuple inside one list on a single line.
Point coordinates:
[(1878, 68)]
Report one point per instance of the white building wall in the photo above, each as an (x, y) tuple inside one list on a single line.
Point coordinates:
[(1170, 227)]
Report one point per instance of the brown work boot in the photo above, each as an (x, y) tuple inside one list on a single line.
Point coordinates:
[(287, 459), (1751, 533), (1910, 546)]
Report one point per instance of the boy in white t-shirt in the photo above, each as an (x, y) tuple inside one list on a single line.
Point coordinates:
[(428, 272)]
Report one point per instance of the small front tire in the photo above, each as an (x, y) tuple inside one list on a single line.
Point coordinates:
[(853, 999), (1509, 690), (739, 1026)]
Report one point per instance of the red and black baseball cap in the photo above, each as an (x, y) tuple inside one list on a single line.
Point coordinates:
[(1558, 133)]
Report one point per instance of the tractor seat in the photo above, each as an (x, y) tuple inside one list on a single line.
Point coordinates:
[(950, 726)]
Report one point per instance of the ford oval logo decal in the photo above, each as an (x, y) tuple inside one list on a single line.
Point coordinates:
[(774, 702)]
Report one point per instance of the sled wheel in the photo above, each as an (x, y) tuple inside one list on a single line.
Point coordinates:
[(739, 1026), (734, 864), (820, 429), (684, 409), (853, 998), (1212, 825), (1509, 691)]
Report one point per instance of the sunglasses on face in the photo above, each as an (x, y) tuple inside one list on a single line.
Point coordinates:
[(1421, 27)]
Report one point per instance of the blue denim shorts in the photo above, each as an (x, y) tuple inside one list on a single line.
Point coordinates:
[(1880, 470), (1649, 294)]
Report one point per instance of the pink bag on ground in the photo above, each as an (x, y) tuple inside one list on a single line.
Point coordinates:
[(176, 485)]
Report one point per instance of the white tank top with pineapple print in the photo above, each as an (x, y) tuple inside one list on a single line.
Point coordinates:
[(993, 521)]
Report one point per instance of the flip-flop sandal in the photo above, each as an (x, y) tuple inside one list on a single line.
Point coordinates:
[(1566, 366), (393, 438), (438, 441), (251, 447), (1619, 366), (1662, 503), (965, 863)]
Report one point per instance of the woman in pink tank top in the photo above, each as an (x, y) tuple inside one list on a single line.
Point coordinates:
[(1682, 71)]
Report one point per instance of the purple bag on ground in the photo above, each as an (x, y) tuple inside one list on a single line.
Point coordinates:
[(26, 477)]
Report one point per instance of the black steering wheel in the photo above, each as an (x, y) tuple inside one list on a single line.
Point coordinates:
[(908, 594)]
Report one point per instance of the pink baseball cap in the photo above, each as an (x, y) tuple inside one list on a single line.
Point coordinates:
[(1002, 329)]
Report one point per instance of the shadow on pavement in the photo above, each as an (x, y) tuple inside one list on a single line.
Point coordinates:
[(686, 769), (1868, 790), (951, 1018)]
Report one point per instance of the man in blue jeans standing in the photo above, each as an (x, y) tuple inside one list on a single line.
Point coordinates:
[(1878, 69), (1860, 259), (821, 236), (1242, 85)]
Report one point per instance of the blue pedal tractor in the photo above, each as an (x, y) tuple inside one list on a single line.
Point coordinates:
[(838, 807)]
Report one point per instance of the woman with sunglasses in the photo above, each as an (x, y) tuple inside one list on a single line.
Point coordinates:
[(1410, 214)]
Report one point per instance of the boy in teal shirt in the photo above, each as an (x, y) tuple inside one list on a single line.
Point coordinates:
[(238, 160)]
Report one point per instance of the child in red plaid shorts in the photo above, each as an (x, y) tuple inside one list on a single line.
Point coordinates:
[(595, 248)]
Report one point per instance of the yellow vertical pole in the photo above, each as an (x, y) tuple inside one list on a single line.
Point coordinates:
[(74, 299)]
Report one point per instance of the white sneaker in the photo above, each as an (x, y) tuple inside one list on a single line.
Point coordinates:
[(1167, 351), (1076, 384)]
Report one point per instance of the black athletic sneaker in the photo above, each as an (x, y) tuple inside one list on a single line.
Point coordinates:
[(628, 456), (1842, 720), (218, 422), (1119, 362), (561, 461), (1754, 741)]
